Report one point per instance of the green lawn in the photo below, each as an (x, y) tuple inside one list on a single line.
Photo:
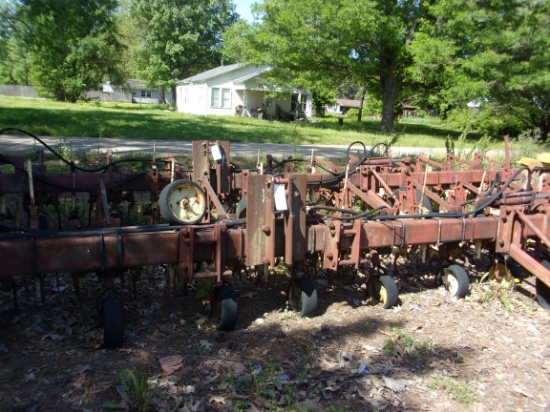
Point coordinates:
[(51, 118)]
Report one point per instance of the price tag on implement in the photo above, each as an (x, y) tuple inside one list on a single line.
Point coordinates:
[(216, 152), (280, 197)]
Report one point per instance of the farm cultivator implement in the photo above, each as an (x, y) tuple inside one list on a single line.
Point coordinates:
[(210, 219)]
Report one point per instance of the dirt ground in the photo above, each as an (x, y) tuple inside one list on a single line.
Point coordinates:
[(488, 352)]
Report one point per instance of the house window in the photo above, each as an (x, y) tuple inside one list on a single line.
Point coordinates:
[(145, 93), (220, 97), (298, 102)]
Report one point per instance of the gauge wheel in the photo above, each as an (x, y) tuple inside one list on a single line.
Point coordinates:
[(383, 290), (223, 304), (542, 289), (456, 281), (112, 316), (182, 202), (302, 296)]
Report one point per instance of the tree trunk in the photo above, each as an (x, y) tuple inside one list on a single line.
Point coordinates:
[(545, 127), (363, 93), (391, 87)]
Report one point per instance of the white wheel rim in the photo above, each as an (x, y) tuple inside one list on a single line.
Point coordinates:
[(186, 202), (451, 282)]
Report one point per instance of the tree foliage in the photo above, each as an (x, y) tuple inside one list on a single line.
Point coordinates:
[(72, 44), (497, 53), (179, 38), (362, 42), (14, 57)]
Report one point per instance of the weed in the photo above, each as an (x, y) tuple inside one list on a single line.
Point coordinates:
[(403, 343), (64, 149), (506, 304), (133, 389), (203, 287), (495, 291), (529, 143), (460, 392), (523, 306), (458, 358)]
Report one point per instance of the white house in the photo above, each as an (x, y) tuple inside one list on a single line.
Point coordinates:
[(140, 93), (239, 89), (343, 105)]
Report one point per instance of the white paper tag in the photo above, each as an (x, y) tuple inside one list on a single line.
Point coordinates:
[(216, 152), (280, 197)]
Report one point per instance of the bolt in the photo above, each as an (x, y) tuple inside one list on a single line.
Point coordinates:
[(331, 225), (501, 242), (330, 256), (266, 229), (266, 261)]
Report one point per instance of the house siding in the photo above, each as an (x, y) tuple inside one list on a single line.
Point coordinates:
[(251, 95)]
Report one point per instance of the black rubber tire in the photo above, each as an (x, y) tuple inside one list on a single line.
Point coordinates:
[(223, 303), (461, 278), (374, 290), (542, 290), (306, 301), (112, 317), (543, 294), (166, 209)]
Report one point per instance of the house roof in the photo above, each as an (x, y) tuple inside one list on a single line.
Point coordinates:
[(135, 84), (349, 103), (243, 79), (209, 74)]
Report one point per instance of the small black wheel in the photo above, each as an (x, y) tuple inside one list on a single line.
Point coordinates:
[(456, 281), (182, 202), (302, 296), (112, 317), (383, 290), (543, 291), (223, 304)]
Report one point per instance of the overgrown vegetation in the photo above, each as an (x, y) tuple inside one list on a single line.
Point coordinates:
[(132, 387), (399, 343), (459, 390)]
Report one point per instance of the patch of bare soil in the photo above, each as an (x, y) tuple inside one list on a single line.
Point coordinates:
[(490, 351)]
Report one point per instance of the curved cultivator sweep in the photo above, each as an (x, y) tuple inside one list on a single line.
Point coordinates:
[(211, 218)]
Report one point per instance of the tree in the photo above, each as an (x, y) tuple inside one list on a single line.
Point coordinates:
[(497, 53), (179, 37), (14, 52), (72, 44), (361, 42)]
